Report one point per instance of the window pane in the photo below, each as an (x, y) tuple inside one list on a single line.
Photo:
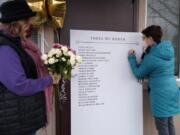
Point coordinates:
[(166, 14), (34, 37)]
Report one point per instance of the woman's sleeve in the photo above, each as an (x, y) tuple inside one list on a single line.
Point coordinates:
[(12, 75), (142, 70)]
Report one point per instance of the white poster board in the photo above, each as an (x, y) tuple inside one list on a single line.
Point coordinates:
[(106, 99)]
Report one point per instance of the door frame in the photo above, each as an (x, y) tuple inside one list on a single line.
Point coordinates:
[(63, 117)]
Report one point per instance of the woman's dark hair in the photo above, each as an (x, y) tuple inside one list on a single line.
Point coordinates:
[(153, 31)]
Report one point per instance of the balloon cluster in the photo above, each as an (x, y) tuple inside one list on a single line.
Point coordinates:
[(48, 11)]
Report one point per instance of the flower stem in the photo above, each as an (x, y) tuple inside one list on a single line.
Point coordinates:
[(57, 95)]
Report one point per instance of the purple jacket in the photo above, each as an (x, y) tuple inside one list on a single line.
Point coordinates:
[(12, 75)]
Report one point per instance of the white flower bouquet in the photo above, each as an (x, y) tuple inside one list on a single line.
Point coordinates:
[(60, 61)]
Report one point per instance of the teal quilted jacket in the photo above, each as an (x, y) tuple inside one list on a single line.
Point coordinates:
[(158, 65)]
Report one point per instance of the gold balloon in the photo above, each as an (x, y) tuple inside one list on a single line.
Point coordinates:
[(57, 10), (48, 11), (39, 7)]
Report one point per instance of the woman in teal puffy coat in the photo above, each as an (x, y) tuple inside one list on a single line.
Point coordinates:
[(158, 65)]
